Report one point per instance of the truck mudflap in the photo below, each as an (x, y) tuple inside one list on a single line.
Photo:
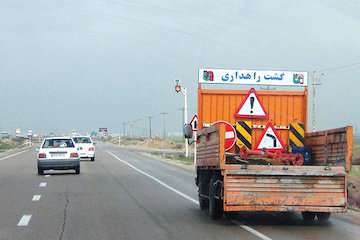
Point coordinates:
[(285, 188)]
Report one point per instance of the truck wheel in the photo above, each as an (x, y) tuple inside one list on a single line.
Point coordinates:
[(308, 216), (77, 170), (203, 201), (323, 217), (93, 159), (215, 203), (40, 171)]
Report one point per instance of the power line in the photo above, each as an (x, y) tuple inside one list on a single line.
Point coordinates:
[(336, 68)]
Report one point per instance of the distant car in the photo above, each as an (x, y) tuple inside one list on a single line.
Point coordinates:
[(85, 146), (58, 153)]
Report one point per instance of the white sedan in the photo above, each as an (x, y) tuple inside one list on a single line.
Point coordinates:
[(85, 146), (58, 153)]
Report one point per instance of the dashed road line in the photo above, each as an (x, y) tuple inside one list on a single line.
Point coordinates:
[(244, 227), (24, 221), (36, 198), (43, 184), (13, 155), (47, 175)]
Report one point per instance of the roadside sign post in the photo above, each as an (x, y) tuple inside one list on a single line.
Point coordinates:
[(184, 92)]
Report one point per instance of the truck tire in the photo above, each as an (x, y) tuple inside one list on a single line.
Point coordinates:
[(308, 216), (93, 159), (77, 170), (40, 171), (216, 210), (203, 201), (323, 217)]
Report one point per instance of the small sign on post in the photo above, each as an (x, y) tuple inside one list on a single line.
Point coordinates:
[(194, 123)]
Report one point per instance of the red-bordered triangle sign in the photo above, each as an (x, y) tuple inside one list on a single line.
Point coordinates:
[(270, 140), (194, 123), (251, 107)]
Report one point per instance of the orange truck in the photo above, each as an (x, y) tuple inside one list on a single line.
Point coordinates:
[(253, 152)]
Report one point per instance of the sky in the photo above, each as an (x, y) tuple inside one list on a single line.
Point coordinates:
[(87, 64)]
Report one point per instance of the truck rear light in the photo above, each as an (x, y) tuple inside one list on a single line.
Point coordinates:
[(91, 149), (42, 155), (74, 155)]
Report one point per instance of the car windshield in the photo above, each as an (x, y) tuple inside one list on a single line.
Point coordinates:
[(58, 143), (82, 140)]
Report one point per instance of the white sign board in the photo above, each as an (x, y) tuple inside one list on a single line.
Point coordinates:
[(253, 77), (17, 131)]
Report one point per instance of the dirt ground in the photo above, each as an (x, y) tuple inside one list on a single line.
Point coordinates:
[(354, 191)]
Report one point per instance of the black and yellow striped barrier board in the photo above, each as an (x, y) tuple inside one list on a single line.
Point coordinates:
[(243, 134), (296, 135)]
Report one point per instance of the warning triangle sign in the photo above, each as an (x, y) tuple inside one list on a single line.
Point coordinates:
[(270, 140), (251, 107)]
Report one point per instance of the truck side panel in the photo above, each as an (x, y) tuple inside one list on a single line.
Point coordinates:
[(210, 148), (331, 147)]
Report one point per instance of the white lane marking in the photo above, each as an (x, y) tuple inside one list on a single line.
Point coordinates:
[(47, 175), (36, 198), (42, 184), (156, 180), (245, 227), (15, 154), (24, 221), (253, 231)]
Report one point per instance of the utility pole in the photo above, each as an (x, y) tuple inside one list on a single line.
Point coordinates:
[(150, 117), (315, 82), (164, 124), (124, 129)]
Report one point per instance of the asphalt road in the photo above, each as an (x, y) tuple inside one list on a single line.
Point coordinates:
[(124, 195)]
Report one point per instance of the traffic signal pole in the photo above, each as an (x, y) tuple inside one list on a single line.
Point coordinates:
[(178, 89)]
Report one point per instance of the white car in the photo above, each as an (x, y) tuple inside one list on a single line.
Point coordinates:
[(58, 153), (85, 146)]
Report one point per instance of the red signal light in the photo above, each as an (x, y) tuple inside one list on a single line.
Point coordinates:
[(177, 88)]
